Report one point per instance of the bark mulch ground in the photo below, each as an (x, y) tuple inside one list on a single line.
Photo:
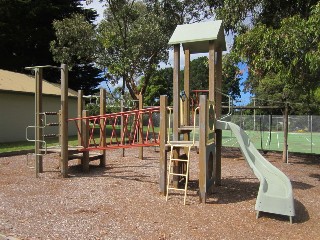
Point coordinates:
[(122, 201)]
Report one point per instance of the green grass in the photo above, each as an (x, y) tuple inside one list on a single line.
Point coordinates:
[(297, 142), (25, 145)]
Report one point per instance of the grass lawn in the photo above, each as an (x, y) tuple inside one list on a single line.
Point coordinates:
[(25, 145), (297, 142)]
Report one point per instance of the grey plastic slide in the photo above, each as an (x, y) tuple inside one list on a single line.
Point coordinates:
[(275, 191)]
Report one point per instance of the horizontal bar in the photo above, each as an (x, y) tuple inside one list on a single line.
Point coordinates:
[(119, 114)]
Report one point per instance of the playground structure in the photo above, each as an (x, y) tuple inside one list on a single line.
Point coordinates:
[(40, 116), (126, 128), (275, 191), (195, 38)]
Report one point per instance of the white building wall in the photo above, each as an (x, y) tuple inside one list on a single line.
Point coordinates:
[(17, 112)]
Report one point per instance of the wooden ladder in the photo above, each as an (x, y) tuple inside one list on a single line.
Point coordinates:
[(171, 173)]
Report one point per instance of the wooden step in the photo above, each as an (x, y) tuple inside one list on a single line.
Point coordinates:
[(187, 129), (182, 143), (92, 156)]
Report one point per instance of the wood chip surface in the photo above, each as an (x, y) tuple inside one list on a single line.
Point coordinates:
[(122, 201)]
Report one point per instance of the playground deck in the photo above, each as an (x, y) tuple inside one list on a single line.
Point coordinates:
[(122, 201)]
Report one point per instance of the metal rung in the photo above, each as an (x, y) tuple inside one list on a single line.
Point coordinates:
[(53, 124), (50, 113), (51, 135)]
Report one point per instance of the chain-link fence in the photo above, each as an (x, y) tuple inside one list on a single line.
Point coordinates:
[(266, 132)]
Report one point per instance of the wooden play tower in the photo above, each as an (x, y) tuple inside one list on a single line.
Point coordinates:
[(205, 37)]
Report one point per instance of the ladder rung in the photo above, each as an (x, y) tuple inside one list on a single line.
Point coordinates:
[(179, 159), (178, 189), (178, 174)]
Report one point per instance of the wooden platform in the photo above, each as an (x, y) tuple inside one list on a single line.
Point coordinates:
[(73, 152), (187, 129)]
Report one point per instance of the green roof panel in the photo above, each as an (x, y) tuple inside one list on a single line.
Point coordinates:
[(196, 36)]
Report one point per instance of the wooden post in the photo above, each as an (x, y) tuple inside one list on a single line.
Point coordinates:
[(122, 122), (140, 98), (203, 149), (285, 133), (176, 110), (38, 121), (186, 104), (217, 167), (218, 83), (212, 70), (163, 140), (79, 110), (64, 120), (176, 92), (103, 96), (85, 136), (218, 99)]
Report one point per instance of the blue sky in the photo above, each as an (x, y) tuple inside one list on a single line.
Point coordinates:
[(245, 97)]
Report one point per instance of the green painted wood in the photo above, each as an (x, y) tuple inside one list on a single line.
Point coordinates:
[(196, 36)]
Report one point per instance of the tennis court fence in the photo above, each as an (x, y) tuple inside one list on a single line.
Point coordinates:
[(266, 132)]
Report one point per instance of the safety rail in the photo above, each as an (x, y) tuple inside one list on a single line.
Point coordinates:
[(133, 134), (43, 146), (43, 126), (195, 100), (193, 127)]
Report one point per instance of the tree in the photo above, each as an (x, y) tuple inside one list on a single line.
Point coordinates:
[(240, 16), (284, 62), (271, 37), (26, 31), (134, 35), (161, 83), (199, 72), (75, 40), (76, 45)]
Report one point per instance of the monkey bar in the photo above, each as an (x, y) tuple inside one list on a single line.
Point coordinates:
[(134, 134)]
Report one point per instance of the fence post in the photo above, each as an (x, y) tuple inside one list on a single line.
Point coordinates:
[(285, 134), (311, 133)]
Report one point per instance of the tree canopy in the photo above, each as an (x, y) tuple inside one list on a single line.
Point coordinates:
[(75, 44), (284, 61), (26, 31), (161, 82), (134, 35), (279, 42)]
